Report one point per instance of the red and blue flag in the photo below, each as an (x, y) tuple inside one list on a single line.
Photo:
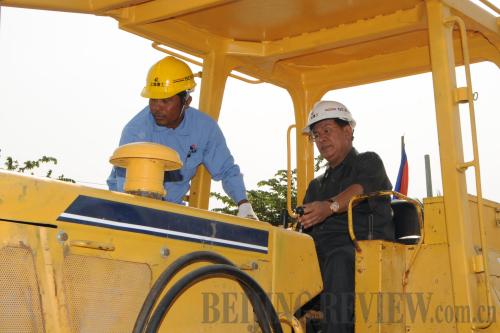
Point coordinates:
[(402, 181)]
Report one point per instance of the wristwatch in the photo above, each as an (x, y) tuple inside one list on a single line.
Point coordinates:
[(334, 206)]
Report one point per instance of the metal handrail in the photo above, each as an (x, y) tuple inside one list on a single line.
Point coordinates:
[(475, 162), (157, 46), (418, 207), (292, 321), (289, 173), (491, 6)]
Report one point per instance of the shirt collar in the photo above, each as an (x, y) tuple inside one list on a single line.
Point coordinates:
[(350, 157), (348, 160)]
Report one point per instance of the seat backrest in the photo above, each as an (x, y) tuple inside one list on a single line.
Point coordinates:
[(405, 217)]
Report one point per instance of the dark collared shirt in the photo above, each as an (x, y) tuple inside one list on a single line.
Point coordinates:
[(372, 218)]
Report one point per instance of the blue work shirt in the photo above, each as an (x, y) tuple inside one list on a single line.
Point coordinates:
[(198, 140)]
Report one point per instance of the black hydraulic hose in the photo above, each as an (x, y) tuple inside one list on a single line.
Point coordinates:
[(165, 278), (169, 273), (258, 299)]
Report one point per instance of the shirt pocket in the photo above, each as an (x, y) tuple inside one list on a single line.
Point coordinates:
[(191, 162)]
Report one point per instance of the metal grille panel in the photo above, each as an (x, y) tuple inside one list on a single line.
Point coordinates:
[(20, 304), (104, 295)]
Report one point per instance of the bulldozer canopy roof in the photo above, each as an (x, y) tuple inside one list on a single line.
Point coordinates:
[(307, 41)]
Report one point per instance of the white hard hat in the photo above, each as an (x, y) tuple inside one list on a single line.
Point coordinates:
[(328, 110)]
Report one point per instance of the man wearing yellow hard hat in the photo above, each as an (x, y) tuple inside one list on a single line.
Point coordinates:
[(170, 121)]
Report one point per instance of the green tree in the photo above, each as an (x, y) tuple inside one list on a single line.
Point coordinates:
[(31, 166), (269, 199)]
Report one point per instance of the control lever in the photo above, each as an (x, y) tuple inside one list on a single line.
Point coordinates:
[(300, 212)]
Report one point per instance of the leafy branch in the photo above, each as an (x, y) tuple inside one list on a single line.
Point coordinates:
[(31, 166), (269, 199)]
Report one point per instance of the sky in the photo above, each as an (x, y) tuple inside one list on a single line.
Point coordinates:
[(70, 82)]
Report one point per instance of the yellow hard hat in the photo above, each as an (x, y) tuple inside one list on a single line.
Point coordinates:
[(167, 78)]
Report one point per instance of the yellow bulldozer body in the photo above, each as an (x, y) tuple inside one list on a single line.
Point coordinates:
[(78, 259)]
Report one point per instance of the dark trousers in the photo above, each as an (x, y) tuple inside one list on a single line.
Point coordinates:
[(337, 299)]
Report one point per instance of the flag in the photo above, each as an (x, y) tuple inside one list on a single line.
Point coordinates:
[(402, 181)]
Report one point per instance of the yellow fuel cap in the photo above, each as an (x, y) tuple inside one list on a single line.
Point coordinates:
[(146, 163)]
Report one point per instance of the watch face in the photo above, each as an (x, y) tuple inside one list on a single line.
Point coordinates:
[(334, 206)]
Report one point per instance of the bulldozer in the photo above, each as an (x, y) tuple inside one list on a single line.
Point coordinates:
[(79, 259)]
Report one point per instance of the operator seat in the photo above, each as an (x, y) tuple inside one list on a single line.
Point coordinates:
[(405, 218)]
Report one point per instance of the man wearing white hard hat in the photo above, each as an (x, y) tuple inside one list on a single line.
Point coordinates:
[(349, 173)]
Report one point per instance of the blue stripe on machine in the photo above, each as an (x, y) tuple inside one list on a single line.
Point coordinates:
[(122, 216)]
